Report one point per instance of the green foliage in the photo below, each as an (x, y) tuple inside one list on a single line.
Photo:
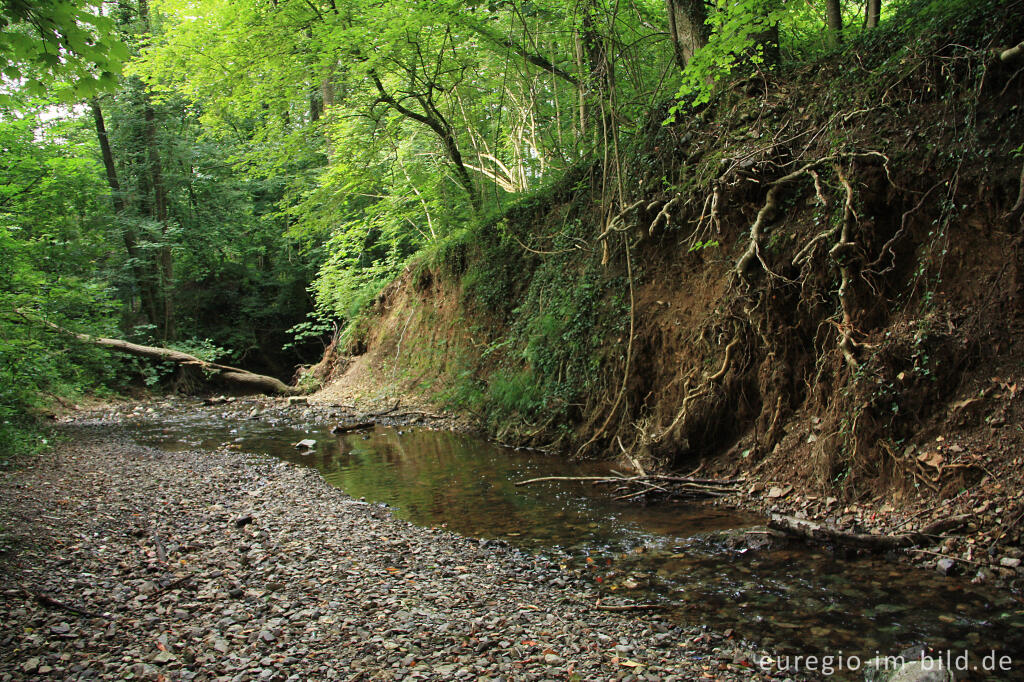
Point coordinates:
[(52, 242), (64, 47), (393, 127), (739, 35)]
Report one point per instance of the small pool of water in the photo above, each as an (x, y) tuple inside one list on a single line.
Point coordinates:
[(794, 600)]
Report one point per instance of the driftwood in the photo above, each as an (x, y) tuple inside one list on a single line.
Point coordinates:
[(258, 383), (358, 426), (823, 533), (653, 484)]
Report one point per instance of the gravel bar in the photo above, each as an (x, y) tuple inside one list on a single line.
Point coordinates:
[(125, 562)]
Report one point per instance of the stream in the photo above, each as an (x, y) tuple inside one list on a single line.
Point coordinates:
[(789, 599)]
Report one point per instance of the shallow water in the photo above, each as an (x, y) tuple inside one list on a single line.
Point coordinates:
[(792, 600)]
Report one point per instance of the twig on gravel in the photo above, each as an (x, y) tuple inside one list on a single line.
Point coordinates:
[(50, 602), (175, 583), (947, 556), (161, 551), (629, 607)]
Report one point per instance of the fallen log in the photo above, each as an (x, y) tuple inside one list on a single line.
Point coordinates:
[(346, 428), (822, 533), (258, 383)]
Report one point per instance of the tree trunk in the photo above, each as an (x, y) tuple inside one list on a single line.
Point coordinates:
[(316, 105), (230, 375), (146, 294), (160, 212), (687, 27), (872, 12), (435, 120), (834, 20)]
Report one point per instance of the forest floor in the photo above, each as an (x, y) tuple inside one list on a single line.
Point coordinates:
[(122, 561)]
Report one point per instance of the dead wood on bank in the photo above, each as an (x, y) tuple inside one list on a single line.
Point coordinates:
[(240, 378), (817, 532), (654, 484)]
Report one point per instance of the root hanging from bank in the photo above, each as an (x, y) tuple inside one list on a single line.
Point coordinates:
[(629, 357)]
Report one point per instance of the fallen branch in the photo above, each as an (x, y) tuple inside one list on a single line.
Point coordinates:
[(232, 375), (597, 479), (50, 602), (653, 484), (345, 428), (374, 415), (629, 607), (175, 583), (946, 556), (820, 532)]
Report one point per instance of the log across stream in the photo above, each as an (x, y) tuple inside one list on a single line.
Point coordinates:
[(699, 563)]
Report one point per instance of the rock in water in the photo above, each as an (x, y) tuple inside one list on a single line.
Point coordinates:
[(928, 670)]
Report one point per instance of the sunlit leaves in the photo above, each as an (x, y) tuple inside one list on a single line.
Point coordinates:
[(62, 46)]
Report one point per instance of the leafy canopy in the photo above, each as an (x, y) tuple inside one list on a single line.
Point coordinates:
[(62, 47)]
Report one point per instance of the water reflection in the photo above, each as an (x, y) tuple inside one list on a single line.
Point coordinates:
[(791, 600)]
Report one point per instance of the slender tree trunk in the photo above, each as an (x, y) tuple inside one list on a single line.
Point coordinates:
[(834, 20), (687, 26), (581, 89), (160, 203), (872, 13), (602, 75), (316, 106), (146, 294), (160, 214), (435, 120)]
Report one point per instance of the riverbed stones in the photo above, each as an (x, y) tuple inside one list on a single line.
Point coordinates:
[(308, 587)]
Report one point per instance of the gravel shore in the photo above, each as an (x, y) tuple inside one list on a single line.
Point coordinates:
[(125, 562)]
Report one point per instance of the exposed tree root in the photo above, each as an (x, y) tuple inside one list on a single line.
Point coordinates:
[(664, 214), (771, 201), (629, 357), (842, 253), (725, 362), (1010, 54), (1018, 206)]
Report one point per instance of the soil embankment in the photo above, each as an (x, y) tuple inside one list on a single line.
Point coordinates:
[(121, 560), (813, 283)]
